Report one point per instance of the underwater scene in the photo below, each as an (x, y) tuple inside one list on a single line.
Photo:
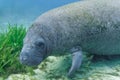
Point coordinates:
[(59, 40)]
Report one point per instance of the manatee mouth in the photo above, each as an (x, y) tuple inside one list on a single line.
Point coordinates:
[(30, 60)]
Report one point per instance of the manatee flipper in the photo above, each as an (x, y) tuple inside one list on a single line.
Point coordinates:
[(76, 61)]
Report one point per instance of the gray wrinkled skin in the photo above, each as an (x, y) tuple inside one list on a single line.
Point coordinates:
[(94, 25)]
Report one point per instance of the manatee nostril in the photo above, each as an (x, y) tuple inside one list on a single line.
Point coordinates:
[(23, 57)]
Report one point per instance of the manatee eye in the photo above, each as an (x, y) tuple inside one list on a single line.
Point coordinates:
[(40, 44)]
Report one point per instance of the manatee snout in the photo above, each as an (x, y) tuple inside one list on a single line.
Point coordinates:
[(32, 54), (30, 59)]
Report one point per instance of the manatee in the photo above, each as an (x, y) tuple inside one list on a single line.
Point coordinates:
[(92, 26)]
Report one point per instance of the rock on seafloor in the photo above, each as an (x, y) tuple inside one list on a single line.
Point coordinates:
[(55, 68)]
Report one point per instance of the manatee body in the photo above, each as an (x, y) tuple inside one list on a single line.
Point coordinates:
[(94, 25)]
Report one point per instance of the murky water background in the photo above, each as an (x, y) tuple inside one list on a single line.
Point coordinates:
[(25, 11)]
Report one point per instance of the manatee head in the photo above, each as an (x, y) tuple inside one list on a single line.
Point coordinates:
[(33, 51)]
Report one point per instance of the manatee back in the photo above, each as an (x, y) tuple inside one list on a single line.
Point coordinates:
[(89, 23)]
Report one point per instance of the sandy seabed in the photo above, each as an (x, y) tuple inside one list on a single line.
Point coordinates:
[(56, 68)]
